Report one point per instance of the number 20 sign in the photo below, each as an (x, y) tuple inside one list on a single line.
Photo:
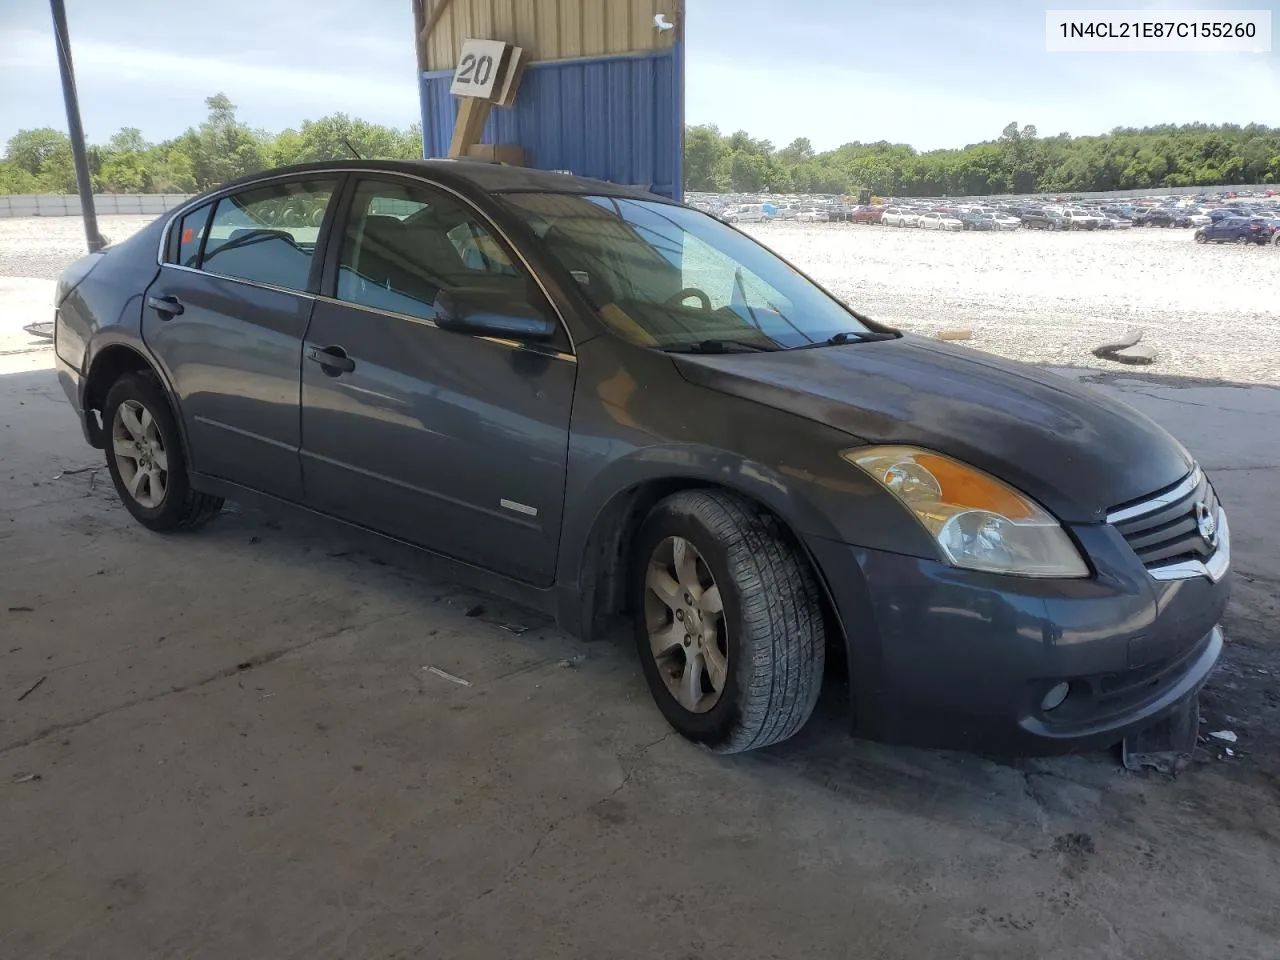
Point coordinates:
[(479, 69)]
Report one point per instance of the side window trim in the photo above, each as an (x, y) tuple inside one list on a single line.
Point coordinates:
[(327, 285), (204, 236), (330, 237)]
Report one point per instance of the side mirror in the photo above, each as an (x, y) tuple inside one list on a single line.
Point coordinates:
[(488, 314)]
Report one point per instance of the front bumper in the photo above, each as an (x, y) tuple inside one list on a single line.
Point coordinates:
[(944, 657)]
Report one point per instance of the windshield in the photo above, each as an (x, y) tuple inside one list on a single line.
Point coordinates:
[(667, 276)]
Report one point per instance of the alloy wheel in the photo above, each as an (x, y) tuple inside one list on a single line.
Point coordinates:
[(684, 617), (139, 453)]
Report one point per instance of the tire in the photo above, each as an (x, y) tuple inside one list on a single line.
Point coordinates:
[(769, 635), (162, 499), (1200, 237)]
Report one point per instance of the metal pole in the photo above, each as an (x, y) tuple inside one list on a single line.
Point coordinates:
[(83, 184)]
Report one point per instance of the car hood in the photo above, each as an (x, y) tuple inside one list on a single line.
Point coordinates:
[(1074, 450)]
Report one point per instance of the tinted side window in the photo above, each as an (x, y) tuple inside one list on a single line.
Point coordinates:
[(405, 243), (191, 230), (268, 234)]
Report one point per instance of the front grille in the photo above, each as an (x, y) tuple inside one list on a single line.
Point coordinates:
[(1169, 531)]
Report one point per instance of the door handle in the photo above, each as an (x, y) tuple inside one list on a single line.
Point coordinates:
[(167, 307), (331, 359)]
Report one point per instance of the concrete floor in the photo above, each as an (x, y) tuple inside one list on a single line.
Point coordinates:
[(240, 754)]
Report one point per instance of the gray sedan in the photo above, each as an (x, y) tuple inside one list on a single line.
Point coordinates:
[(610, 406)]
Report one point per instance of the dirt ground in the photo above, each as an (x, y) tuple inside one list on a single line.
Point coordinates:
[(226, 745)]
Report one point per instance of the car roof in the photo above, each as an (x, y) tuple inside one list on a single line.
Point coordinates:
[(484, 175)]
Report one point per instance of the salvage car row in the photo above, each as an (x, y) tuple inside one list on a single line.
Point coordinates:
[(1239, 220)]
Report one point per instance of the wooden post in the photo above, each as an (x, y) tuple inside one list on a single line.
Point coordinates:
[(468, 128)]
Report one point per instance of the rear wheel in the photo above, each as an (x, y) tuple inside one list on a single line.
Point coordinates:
[(146, 459), (1200, 237), (729, 623)]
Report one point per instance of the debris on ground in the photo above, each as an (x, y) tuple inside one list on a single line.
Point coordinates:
[(475, 611), (571, 662), (21, 610), (27, 778), (1167, 746), (448, 676), (1227, 736), (41, 328), (72, 472), (516, 628), (1074, 844), (32, 689), (1127, 350)]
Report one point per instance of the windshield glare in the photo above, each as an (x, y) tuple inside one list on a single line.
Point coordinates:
[(667, 276)]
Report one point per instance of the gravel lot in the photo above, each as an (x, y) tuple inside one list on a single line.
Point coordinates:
[(43, 246), (1210, 312)]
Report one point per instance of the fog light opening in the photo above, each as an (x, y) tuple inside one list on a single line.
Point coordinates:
[(1053, 699)]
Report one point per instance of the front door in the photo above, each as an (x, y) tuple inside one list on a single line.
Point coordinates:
[(226, 317), (451, 441)]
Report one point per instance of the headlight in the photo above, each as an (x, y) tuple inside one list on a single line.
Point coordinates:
[(978, 522)]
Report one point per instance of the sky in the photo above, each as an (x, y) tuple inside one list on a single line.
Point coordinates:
[(931, 73)]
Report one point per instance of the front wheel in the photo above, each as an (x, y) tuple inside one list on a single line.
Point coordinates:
[(729, 623), (146, 459)]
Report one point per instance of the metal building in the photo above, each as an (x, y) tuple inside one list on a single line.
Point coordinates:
[(603, 93)]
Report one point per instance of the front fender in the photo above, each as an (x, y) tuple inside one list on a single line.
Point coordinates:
[(638, 422)]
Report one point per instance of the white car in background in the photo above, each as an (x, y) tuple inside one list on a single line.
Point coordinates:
[(939, 221), (1002, 220), (747, 213), (812, 215), (1199, 219), (1118, 223), (1077, 219), (899, 217)]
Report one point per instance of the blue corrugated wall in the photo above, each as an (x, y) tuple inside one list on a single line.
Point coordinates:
[(614, 118)]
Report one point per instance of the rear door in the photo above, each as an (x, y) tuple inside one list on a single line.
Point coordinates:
[(226, 316), (452, 441)]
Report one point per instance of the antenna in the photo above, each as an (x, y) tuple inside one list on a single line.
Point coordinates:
[(347, 143)]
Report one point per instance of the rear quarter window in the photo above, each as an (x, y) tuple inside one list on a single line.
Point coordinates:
[(191, 231)]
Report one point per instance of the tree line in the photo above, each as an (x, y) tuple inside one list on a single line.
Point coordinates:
[(219, 149), (1018, 161)]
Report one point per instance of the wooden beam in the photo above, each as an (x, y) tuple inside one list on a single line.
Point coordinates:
[(437, 11), (419, 21), (467, 130)]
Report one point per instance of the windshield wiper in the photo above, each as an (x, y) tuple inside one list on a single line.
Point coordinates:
[(719, 346), (853, 336)]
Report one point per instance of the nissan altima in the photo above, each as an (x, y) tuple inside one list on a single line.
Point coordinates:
[(618, 409)]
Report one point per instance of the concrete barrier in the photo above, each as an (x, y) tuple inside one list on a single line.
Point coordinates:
[(106, 204)]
